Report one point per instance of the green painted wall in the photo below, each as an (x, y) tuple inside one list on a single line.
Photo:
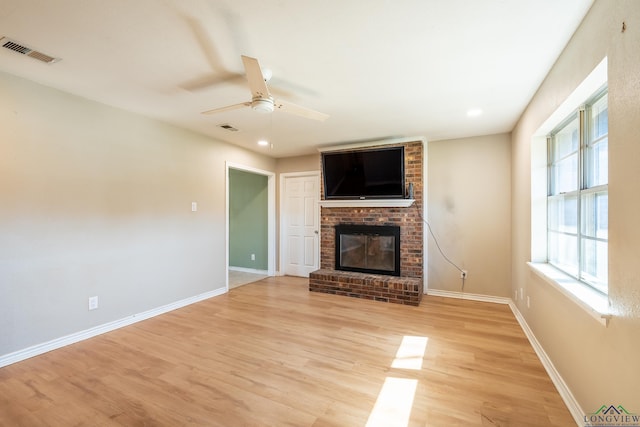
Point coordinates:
[(247, 219)]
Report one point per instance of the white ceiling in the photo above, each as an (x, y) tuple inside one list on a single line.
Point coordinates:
[(379, 68)]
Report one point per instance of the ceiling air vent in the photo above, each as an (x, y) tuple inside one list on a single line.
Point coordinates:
[(24, 50), (228, 127)]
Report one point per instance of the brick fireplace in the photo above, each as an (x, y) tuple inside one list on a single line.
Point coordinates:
[(407, 288)]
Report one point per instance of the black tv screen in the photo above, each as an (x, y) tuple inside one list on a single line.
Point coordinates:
[(364, 174)]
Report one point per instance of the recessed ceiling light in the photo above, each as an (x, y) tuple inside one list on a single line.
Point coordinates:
[(263, 142), (474, 113)]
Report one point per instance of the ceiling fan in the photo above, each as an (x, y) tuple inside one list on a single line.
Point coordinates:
[(261, 99)]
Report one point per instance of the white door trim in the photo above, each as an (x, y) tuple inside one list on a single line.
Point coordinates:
[(271, 217), (283, 240)]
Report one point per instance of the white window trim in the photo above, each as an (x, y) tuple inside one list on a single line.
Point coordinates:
[(584, 296)]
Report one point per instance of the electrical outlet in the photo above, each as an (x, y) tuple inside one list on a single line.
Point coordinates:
[(93, 303), (253, 257), (463, 274), (194, 206)]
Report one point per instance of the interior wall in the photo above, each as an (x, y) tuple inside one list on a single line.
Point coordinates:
[(96, 201), (598, 363), (469, 210), (248, 225), (306, 163)]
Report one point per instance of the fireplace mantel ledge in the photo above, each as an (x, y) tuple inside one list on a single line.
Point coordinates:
[(367, 203)]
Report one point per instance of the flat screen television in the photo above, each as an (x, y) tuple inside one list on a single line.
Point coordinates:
[(364, 174)]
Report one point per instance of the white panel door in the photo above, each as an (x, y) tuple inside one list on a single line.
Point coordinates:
[(301, 224)]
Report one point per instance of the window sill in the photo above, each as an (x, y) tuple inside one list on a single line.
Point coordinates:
[(590, 300)]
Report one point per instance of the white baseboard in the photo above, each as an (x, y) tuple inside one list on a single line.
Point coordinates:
[(468, 296), (249, 270), (565, 393), (563, 389), (54, 344)]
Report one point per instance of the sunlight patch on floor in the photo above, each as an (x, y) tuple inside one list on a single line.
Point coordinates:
[(395, 400), (394, 403), (410, 353)]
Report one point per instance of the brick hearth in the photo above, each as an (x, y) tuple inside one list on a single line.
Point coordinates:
[(400, 290), (411, 244)]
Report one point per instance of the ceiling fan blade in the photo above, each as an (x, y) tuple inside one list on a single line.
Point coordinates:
[(257, 84), (227, 108), (300, 111)]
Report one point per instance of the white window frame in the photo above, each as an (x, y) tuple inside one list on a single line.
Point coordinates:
[(592, 302), (583, 187)]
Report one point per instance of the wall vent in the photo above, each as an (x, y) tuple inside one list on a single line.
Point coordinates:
[(228, 127), (24, 50)]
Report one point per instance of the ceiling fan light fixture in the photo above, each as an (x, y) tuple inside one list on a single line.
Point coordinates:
[(261, 99), (262, 105), (267, 74)]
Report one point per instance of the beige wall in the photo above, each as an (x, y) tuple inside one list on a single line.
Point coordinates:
[(298, 164), (97, 201), (469, 209), (599, 364)]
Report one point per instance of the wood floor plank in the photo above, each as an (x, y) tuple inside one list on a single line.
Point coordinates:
[(273, 354)]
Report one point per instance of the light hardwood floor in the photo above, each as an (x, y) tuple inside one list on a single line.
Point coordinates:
[(273, 354), (241, 278)]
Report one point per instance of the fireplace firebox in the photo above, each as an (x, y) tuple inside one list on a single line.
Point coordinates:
[(368, 249)]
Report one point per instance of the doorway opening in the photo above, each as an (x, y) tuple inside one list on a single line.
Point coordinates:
[(250, 225)]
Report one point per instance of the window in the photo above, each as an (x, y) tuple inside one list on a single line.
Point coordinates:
[(577, 196)]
